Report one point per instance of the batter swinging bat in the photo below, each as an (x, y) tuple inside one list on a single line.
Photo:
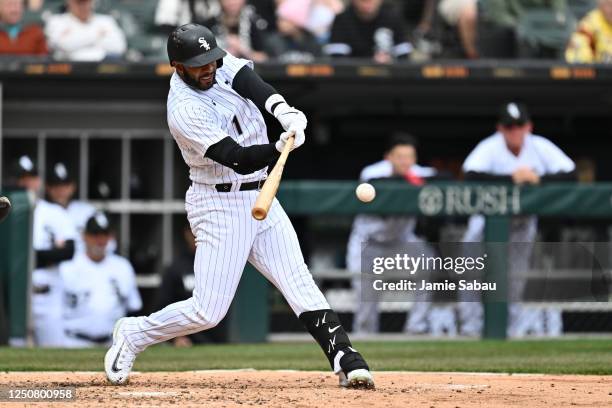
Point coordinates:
[(270, 187)]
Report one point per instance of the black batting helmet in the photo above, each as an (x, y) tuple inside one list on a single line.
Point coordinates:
[(194, 45)]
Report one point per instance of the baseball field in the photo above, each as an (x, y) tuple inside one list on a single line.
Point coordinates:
[(409, 373)]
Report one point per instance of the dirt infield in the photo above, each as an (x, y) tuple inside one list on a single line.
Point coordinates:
[(316, 389)]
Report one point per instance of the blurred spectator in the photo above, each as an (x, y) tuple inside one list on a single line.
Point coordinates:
[(462, 14), (266, 9), (17, 37), (369, 29), (293, 42), (542, 21), (381, 233), (174, 13), (35, 5), (53, 240), (592, 41), (81, 35), (177, 284), (98, 289), (240, 30), (514, 154), (322, 16), (62, 192)]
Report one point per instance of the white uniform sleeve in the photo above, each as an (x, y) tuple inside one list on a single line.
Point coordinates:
[(480, 160), (113, 41), (555, 160), (129, 288), (63, 227), (61, 36), (192, 125), (168, 12), (231, 65), (380, 169)]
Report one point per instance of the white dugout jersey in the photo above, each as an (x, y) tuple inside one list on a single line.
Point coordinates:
[(492, 156), (96, 294), (199, 119), (51, 223)]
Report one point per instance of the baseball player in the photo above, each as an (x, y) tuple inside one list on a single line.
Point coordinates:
[(62, 192), (214, 114), (514, 154), (54, 236), (98, 288), (377, 232)]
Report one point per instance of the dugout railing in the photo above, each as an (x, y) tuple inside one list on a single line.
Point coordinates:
[(337, 198), (498, 202)]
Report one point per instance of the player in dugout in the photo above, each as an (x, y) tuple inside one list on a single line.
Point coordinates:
[(514, 154), (98, 288), (379, 233)]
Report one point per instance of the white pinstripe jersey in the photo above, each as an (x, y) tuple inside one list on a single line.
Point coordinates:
[(199, 119)]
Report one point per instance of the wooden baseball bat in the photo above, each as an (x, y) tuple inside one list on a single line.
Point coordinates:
[(270, 187)]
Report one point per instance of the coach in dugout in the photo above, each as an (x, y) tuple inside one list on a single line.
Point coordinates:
[(514, 154), (98, 288)]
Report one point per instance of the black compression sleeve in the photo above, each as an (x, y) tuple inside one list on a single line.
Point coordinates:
[(243, 160), (54, 256), (250, 85)]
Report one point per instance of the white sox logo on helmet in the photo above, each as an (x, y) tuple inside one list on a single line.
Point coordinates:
[(204, 43)]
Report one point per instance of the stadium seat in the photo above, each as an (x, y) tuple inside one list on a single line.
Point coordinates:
[(136, 19), (544, 34), (580, 8)]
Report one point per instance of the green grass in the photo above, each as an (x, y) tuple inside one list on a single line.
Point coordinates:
[(554, 357)]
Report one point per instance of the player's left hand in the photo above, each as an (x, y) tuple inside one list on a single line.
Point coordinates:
[(284, 137), (291, 118)]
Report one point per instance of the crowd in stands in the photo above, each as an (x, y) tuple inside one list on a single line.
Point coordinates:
[(303, 30)]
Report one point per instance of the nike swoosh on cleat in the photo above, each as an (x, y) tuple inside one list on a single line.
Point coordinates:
[(334, 329), (114, 366)]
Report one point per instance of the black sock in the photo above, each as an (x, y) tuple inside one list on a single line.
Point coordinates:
[(324, 325)]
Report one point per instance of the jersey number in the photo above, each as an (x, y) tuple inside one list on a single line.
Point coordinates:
[(237, 125)]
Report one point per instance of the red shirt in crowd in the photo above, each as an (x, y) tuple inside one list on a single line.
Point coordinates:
[(30, 41)]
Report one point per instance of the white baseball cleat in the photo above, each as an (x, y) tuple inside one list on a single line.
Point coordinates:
[(119, 359), (360, 378)]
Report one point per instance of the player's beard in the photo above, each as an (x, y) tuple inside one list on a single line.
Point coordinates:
[(194, 83)]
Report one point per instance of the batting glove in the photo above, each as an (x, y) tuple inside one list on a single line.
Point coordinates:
[(288, 116), (300, 138)]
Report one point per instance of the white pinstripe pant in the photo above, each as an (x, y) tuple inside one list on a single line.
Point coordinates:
[(227, 237)]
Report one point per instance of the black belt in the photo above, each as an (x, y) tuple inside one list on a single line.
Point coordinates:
[(226, 187)]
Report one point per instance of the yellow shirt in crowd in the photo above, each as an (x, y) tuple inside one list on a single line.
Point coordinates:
[(592, 41)]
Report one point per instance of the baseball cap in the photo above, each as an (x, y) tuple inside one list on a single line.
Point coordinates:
[(59, 174), (24, 166), (513, 113), (98, 224)]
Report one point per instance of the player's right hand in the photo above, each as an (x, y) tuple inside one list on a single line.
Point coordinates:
[(300, 138)]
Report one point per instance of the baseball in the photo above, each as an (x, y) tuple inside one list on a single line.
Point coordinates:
[(365, 192)]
